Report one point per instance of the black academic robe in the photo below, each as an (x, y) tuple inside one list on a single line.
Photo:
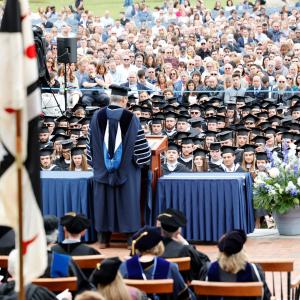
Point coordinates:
[(199, 260), (188, 164), (33, 292), (180, 168), (220, 169), (61, 163), (74, 249)]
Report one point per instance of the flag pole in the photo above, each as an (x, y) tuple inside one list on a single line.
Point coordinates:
[(20, 200)]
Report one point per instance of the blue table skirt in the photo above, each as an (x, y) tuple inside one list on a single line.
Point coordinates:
[(63, 192), (214, 203)]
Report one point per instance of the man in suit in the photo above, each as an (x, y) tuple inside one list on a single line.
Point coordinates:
[(244, 39), (134, 85), (255, 91)]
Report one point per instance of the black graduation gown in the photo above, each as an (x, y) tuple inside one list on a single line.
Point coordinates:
[(33, 292), (199, 261), (188, 164), (74, 249), (180, 168), (219, 169), (61, 163)]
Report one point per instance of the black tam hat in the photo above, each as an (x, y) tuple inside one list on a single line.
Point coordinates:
[(106, 271), (119, 90), (50, 223), (232, 242), (171, 219)]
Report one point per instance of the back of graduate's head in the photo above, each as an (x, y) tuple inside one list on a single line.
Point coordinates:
[(74, 224), (12, 262)]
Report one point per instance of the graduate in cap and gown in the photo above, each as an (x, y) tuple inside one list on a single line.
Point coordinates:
[(171, 221), (145, 263), (172, 164), (74, 228), (46, 163), (228, 165), (119, 150)]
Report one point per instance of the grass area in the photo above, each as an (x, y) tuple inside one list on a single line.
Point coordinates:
[(98, 6)]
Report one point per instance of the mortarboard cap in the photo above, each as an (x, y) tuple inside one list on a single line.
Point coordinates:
[(242, 131), (49, 119), (74, 223), (46, 151), (224, 136), (173, 146), (228, 149), (287, 135), (77, 151), (78, 106), (210, 133), (248, 148), (250, 118), (118, 90), (200, 152), (75, 131), (62, 118), (212, 119), (81, 142), (215, 146), (74, 120), (186, 140), (259, 139), (44, 129), (261, 156), (67, 144)]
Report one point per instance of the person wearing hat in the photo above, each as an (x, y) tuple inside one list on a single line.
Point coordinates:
[(170, 124), (79, 160), (156, 126), (146, 263), (215, 156), (118, 150), (74, 226), (229, 165), (249, 160), (200, 163), (186, 157), (110, 284), (65, 160), (232, 264), (171, 221), (46, 162), (172, 165), (44, 135)]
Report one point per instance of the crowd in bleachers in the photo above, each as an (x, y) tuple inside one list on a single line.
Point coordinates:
[(206, 78)]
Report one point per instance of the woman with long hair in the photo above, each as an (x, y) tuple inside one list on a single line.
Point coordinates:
[(110, 284), (73, 93), (78, 160), (161, 81), (102, 73), (200, 163), (232, 264), (190, 95), (150, 61), (248, 160)]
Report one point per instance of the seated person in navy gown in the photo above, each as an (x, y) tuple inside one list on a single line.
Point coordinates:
[(110, 284), (32, 292), (176, 245), (232, 264), (172, 164), (145, 264), (74, 228)]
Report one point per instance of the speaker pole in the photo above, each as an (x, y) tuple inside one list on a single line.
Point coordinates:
[(65, 89)]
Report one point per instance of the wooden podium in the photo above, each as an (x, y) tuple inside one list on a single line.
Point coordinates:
[(158, 144)]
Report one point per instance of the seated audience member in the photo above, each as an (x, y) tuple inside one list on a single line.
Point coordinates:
[(110, 284), (232, 264), (200, 163), (74, 228), (147, 246), (176, 245), (32, 292), (172, 165), (7, 240)]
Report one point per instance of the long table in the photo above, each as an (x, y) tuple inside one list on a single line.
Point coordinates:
[(214, 203)]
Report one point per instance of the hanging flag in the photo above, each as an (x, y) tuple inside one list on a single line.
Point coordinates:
[(19, 91)]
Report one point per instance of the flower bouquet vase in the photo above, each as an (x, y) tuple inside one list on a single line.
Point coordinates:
[(289, 222)]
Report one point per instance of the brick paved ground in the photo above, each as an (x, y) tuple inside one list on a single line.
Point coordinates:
[(264, 245)]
